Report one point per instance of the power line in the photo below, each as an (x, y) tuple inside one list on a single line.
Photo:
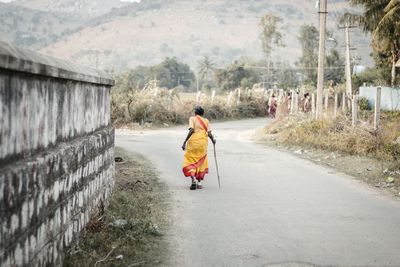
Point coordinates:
[(291, 68)]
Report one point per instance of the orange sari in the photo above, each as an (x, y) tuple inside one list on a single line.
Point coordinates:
[(195, 162)]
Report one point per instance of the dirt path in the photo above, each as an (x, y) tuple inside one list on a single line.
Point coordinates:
[(274, 209)]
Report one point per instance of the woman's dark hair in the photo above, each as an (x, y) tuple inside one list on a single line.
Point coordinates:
[(199, 111)]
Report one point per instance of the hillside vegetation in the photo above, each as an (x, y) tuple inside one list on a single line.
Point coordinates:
[(114, 35)]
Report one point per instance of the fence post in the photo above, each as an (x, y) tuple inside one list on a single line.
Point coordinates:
[(349, 102), (170, 99), (354, 110), (198, 96), (280, 96), (377, 113), (212, 97), (336, 105), (229, 99), (292, 108), (344, 103), (313, 105), (326, 100)]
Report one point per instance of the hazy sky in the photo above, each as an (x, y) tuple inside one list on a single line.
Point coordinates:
[(7, 1)]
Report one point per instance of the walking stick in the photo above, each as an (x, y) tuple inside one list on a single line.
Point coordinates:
[(216, 165)]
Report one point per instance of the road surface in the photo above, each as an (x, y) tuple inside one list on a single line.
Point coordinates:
[(274, 209)]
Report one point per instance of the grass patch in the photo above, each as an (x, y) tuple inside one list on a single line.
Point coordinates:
[(133, 224), (338, 135)]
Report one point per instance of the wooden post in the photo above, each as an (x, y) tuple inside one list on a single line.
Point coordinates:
[(170, 99), (349, 102), (198, 96), (280, 96), (354, 110), (313, 105), (212, 97), (344, 103), (377, 113), (326, 101), (229, 99), (335, 106), (296, 102), (292, 107)]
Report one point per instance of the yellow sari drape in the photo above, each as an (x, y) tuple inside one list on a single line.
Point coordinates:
[(195, 161)]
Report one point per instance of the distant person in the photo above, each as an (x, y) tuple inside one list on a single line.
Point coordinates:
[(289, 101), (273, 106), (195, 163), (306, 103)]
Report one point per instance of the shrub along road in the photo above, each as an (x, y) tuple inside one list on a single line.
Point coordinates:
[(274, 209)]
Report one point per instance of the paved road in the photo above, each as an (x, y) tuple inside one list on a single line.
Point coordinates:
[(274, 209)]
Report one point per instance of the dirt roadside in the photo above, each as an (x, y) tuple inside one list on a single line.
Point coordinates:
[(382, 175), (131, 230)]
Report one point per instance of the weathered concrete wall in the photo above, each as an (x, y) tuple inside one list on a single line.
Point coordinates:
[(56, 154), (390, 97)]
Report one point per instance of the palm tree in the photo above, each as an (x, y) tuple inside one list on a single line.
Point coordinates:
[(388, 30), (382, 19), (206, 67)]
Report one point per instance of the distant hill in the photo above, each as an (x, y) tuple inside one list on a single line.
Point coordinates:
[(33, 28), (115, 35), (84, 8)]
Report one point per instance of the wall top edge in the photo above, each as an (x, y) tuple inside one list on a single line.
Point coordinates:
[(23, 60)]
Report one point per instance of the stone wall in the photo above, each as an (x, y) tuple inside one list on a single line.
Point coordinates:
[(56, 154)]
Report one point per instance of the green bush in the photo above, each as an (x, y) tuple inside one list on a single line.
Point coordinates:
[(363, 103)]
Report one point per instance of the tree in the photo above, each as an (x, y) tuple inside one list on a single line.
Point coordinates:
[(235, 75), (286, 76), (334, 64), (206, 67), (382, 20), (270, 36), (139, 77), (309, 47), (170, 73)]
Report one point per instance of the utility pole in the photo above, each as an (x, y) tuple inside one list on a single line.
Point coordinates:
[(321, 56), (349, 90)]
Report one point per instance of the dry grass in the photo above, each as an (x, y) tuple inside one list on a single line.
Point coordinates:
[(140, 200), (338, 135), (161, 106)]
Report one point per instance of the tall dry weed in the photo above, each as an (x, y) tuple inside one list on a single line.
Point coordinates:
[(338, 135), (162, 106)]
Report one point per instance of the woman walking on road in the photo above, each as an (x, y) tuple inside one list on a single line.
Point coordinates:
[(195, 164)]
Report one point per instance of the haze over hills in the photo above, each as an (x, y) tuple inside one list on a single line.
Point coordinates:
[(114, 35), (83, 8)]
